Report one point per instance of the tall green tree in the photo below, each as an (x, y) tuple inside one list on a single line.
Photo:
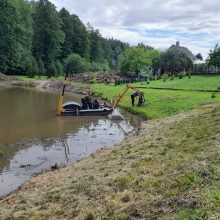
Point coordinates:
[(118, 48), (135, 59), (80, 39), (214, 57), (36, 39), (75, 64), (48, 36), (96, 50), (67, 28), (76, 35), (175, 61), (15, 35)]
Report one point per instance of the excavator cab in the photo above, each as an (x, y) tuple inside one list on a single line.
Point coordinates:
[(141, 99)]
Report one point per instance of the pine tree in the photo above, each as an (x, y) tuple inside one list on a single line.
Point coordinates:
[(15, 35), (48, 35), (96, 50)]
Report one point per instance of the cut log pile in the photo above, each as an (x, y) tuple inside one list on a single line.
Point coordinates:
[(101, 77)]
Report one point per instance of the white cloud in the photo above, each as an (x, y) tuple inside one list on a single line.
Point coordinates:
[(196, 24)]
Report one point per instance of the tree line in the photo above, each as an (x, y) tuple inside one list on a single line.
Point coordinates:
[(172, 61), (36, 39), (140, 58)]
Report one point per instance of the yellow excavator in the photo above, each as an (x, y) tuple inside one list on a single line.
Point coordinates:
[(137, 93), (73, 108)]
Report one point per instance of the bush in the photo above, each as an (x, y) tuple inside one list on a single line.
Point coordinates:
[(213, 95), (75, 64), (165, 77), (182, 75), (94, 67), (189, 74)]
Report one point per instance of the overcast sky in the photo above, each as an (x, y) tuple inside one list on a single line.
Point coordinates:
[(159, 23)]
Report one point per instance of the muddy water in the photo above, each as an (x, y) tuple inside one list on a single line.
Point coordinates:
[(32, 138)]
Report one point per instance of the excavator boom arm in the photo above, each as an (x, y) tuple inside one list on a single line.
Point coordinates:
[(60, 102), (122, 93), (118, 99)]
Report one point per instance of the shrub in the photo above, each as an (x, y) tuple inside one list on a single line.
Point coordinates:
[(182, 75), (213, 95), (75, 64), (189, 74), (165, 77)]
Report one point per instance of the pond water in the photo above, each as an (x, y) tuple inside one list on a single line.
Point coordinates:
[(33, 138)]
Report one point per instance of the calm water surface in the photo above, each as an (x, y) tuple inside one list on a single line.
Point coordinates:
[(32, 138)]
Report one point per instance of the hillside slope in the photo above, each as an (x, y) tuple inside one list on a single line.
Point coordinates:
[(169, 170)]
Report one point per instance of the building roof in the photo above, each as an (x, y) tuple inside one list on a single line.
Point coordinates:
[(197, 61), (185, 50)]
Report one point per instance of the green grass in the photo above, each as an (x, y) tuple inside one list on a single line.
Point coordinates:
[(163, 103), (196, 82)]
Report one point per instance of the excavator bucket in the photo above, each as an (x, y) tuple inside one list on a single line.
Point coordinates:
[(115, 115)]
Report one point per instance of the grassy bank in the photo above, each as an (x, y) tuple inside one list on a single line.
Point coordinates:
[(170, 170), (195, 82), (162, 103)]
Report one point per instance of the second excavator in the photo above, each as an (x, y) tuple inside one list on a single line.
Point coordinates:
[(116, 115), (137, 93)]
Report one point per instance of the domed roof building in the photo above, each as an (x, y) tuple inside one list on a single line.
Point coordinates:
[(187, 52), (184, 50)]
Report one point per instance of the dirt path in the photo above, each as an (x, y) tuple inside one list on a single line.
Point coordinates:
[(42, 84), (50, 84)]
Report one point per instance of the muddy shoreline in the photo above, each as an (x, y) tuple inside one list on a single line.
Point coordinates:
[(50, 85)]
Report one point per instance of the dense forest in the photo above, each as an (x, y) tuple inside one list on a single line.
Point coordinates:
[(36, 39)]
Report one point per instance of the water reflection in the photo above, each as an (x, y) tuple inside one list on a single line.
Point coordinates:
[(42, 140), (41, 154)]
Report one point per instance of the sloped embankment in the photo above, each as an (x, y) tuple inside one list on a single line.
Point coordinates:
[(169, 170)]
